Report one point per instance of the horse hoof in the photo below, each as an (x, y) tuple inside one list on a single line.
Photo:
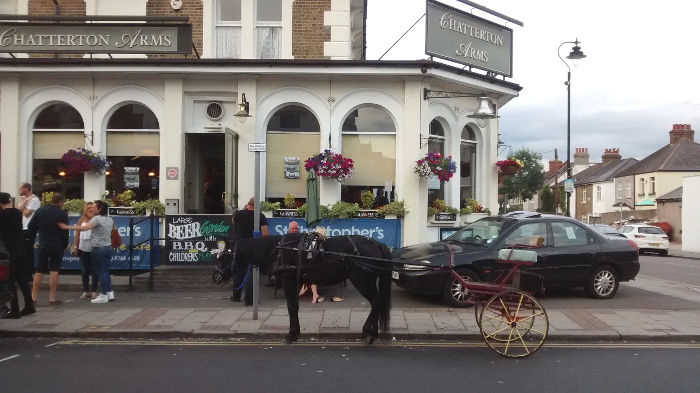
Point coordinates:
[(368, 340), (291, 339)]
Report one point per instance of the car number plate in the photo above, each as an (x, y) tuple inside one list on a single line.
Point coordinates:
[(655, 244), (395, 275)]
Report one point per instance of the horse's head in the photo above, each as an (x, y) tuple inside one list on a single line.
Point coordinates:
[(225, 266)]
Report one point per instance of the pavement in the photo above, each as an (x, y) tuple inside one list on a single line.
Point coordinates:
[(158, 314), (676, 250)]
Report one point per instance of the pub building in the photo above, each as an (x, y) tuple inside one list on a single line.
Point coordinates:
[(155, 86)]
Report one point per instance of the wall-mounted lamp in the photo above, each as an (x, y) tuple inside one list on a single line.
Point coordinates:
[(107, 173), (423, 138), (61, 173), (486, 108), (151, 173), (243, 107)]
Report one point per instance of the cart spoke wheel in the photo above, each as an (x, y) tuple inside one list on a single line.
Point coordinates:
[(513, 324)]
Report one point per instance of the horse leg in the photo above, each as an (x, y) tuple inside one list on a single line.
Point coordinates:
[(365, 283), (289, 285)]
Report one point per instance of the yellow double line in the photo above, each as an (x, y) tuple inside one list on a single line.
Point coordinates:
[(457, 344)]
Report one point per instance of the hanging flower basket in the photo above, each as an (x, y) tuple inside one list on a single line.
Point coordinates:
[(509, 167), (330, 165), (434, 164), (81, 160)]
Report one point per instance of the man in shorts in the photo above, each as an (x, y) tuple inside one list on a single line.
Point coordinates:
[(27, 203), (52, 244)]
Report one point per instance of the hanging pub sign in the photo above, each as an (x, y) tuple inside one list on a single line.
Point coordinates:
[(95, 38), (193, 239), (461, 37)]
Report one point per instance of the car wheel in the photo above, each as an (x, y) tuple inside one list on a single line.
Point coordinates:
[(603, 283), (454, 294), (663, 253)]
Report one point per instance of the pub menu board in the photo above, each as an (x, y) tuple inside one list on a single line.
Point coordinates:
[(192, 239)]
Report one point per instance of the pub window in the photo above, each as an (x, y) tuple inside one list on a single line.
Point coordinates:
[(56, 129), (133, 147), (467, 165), (436, 144), (227, 29), (369, 139), (268, 28), (293, 135)]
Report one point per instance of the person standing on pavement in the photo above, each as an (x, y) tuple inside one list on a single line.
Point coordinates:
[(243, 222), (12, 237), (82, 248), (52, 243), (27, 203), (101, 253)]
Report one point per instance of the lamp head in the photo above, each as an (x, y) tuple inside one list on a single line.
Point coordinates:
[(485, 110), (576, 53), (243, 107)]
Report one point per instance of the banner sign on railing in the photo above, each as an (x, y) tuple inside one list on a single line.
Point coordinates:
[(387, 231), (190, 239), (120, 256)]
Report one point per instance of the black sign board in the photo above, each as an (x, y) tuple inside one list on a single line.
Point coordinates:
[(287, 213), (192, 239), (368, 214), (445, 217), (121, 211)]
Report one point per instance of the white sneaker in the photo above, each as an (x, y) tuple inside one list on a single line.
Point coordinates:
[(85, 295), (110, 295), (101, 298)]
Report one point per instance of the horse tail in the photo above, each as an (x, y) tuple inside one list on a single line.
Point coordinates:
[(384, 293)]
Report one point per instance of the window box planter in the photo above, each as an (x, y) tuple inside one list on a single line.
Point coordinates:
[(267, 213), (391, 217), (292, 213), (471, 217)]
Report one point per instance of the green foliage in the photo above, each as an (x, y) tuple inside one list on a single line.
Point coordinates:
[(473, 205), (149, 204), (440, 206), (546, 200), (528, 181), (267, 206), (108, 202), (74, 205), (126, 198), (466, 210), (46, 198), (290, 202), (367, 199), (325, 210), (343, 210), (302, 209), (397, 208)]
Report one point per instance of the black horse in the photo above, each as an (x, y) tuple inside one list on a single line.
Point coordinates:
[(297, 258)]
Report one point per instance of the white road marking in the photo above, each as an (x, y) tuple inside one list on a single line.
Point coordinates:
[(51, 345), (9, 357)]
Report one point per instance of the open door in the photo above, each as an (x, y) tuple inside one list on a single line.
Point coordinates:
[(230, 195)]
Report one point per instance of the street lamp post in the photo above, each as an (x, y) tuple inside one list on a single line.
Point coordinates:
[(576, 54)]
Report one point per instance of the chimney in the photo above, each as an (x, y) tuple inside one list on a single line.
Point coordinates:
[(681, 131), (555, 163), (581, 156), (611, 155)]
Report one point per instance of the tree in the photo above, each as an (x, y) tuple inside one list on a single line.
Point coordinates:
[(528, 181)]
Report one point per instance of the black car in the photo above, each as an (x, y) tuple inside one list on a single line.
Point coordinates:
[(571, 255)]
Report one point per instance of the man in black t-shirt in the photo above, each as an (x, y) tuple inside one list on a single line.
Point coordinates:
[(243, 222)]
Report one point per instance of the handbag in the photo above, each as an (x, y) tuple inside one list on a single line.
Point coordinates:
[(115, 238)]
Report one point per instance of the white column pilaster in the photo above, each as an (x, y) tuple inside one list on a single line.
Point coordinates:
[(12, 170), (249, 131), (172, 141), (411, 189)]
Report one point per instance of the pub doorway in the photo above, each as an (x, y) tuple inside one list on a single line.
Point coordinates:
[(207, 168)]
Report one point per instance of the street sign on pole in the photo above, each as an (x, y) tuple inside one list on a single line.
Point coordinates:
[(256, 147), (569, 185)]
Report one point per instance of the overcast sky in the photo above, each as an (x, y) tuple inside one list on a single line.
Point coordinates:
[(641, 76)]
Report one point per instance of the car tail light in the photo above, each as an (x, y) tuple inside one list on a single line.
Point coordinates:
[(639, 236), (633, 244), (4, 272)]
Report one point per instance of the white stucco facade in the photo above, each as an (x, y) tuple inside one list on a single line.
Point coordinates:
[(690, 214)]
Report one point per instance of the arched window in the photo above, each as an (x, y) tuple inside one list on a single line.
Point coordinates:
[(467, 165), (293, 135), (56, 129), (369, 139), (436, 144), (133, 147)]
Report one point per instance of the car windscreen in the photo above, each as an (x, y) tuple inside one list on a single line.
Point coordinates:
[(481, 232), (626, 229)]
